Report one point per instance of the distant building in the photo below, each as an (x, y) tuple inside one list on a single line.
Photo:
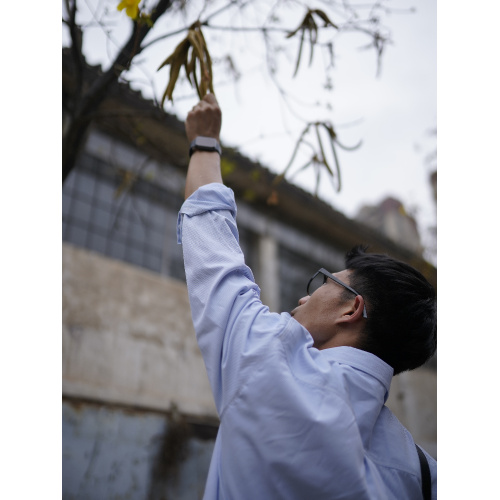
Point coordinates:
[(390, 218), (139, 419)]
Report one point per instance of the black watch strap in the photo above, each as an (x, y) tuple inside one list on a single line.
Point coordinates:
[(205, 144)]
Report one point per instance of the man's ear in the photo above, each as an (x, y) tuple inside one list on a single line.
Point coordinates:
[(355, 311)]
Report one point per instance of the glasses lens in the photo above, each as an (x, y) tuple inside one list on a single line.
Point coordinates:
[(318, 280)]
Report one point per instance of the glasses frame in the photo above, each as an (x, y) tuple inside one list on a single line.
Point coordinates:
[(326, 275)]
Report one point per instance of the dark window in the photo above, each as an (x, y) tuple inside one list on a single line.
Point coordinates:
[(248, 243), (137, 226), (295, 270)]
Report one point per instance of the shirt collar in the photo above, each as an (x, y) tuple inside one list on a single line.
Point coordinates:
[(361, 360)]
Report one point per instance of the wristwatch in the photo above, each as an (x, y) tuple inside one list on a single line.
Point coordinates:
[(204, 144)]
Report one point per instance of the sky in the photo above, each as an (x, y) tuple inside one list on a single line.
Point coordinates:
[(393, 114)]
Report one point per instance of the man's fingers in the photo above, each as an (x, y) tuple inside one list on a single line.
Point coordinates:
[(210, 98), (204, 119)]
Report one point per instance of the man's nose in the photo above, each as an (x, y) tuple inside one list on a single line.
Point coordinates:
[(303, 300)]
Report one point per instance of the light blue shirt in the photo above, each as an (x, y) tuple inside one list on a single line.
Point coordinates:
[(295, 422)]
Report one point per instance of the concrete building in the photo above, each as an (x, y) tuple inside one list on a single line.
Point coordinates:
[(138, 416), (390, 218)]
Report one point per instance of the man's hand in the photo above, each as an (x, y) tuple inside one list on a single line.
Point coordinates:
[(204, 119), (204, 166)]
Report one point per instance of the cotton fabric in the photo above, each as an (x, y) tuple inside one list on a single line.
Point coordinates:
[(295, 422)]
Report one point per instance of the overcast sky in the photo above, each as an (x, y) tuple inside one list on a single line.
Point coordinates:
[(392, 114)]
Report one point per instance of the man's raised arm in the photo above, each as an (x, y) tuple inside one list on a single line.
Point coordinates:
[(204, 120), (224, 298)]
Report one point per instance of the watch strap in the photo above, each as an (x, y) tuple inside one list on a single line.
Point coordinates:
[(201, 143)]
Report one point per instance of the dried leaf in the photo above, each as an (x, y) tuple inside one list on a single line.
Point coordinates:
[(309, 24), (313, 37), (337, 165), (190, 51), (318, 173), (297, 145), (300, 52), (348, 148), (325, 18)]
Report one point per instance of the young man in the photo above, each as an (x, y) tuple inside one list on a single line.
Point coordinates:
[(301, 396)]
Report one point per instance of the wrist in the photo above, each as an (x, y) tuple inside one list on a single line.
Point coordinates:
[(204, 168)]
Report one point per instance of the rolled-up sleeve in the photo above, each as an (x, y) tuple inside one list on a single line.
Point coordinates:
[(225, 301)]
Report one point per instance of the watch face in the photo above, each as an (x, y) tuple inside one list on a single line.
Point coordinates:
[(207, 142)]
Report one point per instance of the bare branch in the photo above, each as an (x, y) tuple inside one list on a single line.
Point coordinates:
[(204, 23), (76, 44), (77, 129), (124, 57)]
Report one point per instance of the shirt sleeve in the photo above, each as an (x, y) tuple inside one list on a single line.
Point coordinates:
[(231, 323)]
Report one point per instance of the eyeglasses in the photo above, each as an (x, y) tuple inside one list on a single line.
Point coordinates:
[(320, 278)]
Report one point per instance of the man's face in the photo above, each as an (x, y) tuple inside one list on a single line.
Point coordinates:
[(318, 312)]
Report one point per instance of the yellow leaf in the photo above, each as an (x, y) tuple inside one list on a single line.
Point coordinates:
[(131, 7)]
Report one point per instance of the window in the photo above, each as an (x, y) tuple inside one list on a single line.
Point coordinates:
[(248, 244), (138, 226), (295, 270)]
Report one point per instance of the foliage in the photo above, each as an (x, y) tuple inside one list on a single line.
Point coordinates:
[(191, 50), (131, 8)]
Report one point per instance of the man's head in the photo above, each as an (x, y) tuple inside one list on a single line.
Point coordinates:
[(330, 317), (400, 327)]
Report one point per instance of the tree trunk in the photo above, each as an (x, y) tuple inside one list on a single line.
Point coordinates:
[(87, 104)]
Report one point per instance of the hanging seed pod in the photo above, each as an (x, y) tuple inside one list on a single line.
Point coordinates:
[(309, 25), (192, 54)]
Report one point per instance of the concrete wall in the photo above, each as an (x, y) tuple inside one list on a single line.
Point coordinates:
[(128, 337), (115, 453), (413, 399)]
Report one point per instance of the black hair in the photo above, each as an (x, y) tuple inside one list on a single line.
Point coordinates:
[(401, 327)]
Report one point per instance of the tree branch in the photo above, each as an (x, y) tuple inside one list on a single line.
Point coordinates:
[(76, 44), (202, 23), (123, 59), (81, 117)]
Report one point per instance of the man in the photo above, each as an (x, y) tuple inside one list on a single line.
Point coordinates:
[(300, 396)]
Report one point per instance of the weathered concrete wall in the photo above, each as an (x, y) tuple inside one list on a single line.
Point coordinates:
[(413, 399), (128, 337), (111, 453)]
